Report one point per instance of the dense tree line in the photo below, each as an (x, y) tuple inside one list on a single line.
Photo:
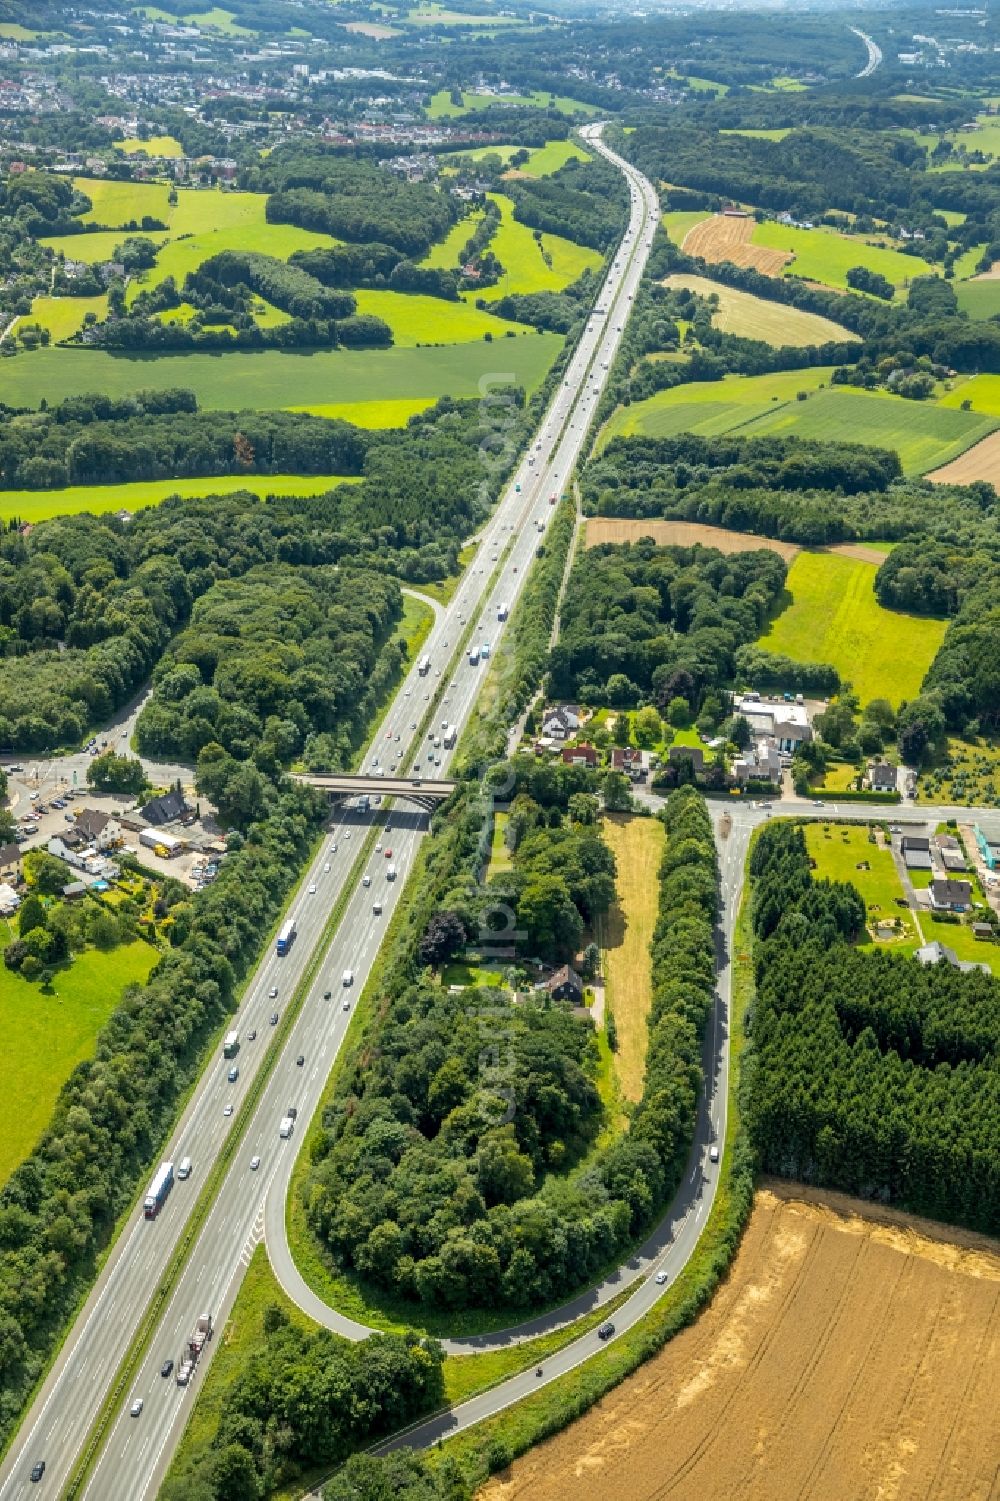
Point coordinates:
[(377, 266), (643, 622), (352, 200), (144, 437), (308, 1400), (273, 660), (287, 285), (872, 1073), (583, 201), (59, 1207), (451, 1181)]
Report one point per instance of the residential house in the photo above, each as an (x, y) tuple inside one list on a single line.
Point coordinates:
[(580, 755), (99, 828), (9, 900), (74, 889), (166, 809), (760, 763), (789, 734), (565, 985), (561, 722), (10, 863), (916, 852), (950, 895), (786, 723), (882, 777), (692, 753), (937, 953), (951, 852), (629, 760)]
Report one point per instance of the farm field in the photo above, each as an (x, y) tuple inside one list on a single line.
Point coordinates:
[(710, 407), (980, 298), (678, 222), (598, 529), (850, 1352), (841, 853), (135, 495), (97, 246), (47, 1035), (416, 319), (372, 413), (924, 439), (156, 146), (521, 255), (196, 212), (275, 377), (983, 391), (63, 316), (751, 317), (833, 616), (626, 933), (820, 255)]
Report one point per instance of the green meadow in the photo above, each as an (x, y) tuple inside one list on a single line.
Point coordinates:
[(63, 316), (39, 505), (47, 1033), (980, 299), (826, 256), (441, 106), (155, 146), (271, 378), (372, 414), (710, 407), (833, 616), (679, 222), (416, 319), (544, 265), (983, 391)]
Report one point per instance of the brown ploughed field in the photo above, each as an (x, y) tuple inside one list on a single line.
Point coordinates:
[(981, 461), (727, 238), (619, 529), (853, 1354)]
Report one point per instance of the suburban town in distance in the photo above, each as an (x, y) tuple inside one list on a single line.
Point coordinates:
[(499, 751)]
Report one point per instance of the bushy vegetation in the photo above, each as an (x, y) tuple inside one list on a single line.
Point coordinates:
[(641, 622), (873, 1074)]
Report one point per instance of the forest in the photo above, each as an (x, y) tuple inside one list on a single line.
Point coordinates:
[(476, 1204), (872, 1073), (583, 201), (645, 623)]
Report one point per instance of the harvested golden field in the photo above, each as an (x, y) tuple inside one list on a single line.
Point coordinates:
[(851, 1355), (724, 237), (626, 933), (750, 317), (981, 461), (681, 534)]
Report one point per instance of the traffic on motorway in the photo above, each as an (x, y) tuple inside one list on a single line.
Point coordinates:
[(139, 1443)]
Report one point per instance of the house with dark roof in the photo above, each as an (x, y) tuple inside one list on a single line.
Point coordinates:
[(166, 809), (916, 852), (950, 895), (565, 985), (580, 755), (99, 828), (10, 863), (692, 753), (882, 777)]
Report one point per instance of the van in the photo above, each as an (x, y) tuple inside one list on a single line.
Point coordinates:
[(390, 874), (376, 909), (184, 1171), (348, 977), (286, 1128)]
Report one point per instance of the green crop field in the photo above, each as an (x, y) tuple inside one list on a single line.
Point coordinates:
[(752, 317), (980, 299), (982, 390), (272, 378), (415, 319), (47, 1034), (924, 436), (372, 414), (63, 316), (678, 222), (117, 203), (825, 256), (523, 258), (155, 146), (834, 616), (39, 505), (711, 407)]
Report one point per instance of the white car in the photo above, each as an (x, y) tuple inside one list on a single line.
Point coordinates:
[(366, 880), (713, 1155), (326, 865), (312, 888), (254, 1164), (228, 1110), (661, 1277), (136, 1407)]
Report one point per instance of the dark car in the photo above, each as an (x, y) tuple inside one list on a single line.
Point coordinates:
[(274, 1018), (252, 1036), (166, 1367), (300, 1059), (327, 994), (605, 1330), (292, 1112), (39, 1470)]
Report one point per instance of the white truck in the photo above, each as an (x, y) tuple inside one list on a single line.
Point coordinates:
[(450, 736), (196, 1343), (286, 1128)]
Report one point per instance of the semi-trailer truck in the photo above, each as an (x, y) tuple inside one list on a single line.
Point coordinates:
[(286, 937), (450, 736), (424, 666), (501, 611), (231, 1046), (158, 1190), (474, 657)]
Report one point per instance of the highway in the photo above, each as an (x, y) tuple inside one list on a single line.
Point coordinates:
[(138, 1450), (874, 53)]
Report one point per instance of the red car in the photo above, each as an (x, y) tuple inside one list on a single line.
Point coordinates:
[(388, 854)]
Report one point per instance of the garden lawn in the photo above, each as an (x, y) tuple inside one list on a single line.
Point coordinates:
[(523, 258), (924, 435), (63, 316), (750, 317), (272, 378), (824, 255), (416, 319), (39, 505), (709, 406), (47, 1035), (960, 938), (838, 850), (371, 413), (626, 934), (155, 146), (833, 616)]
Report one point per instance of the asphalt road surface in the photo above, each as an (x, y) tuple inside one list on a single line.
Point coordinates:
[(138, 1450)]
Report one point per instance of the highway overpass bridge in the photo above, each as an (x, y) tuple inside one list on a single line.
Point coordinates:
[(425, 792)]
